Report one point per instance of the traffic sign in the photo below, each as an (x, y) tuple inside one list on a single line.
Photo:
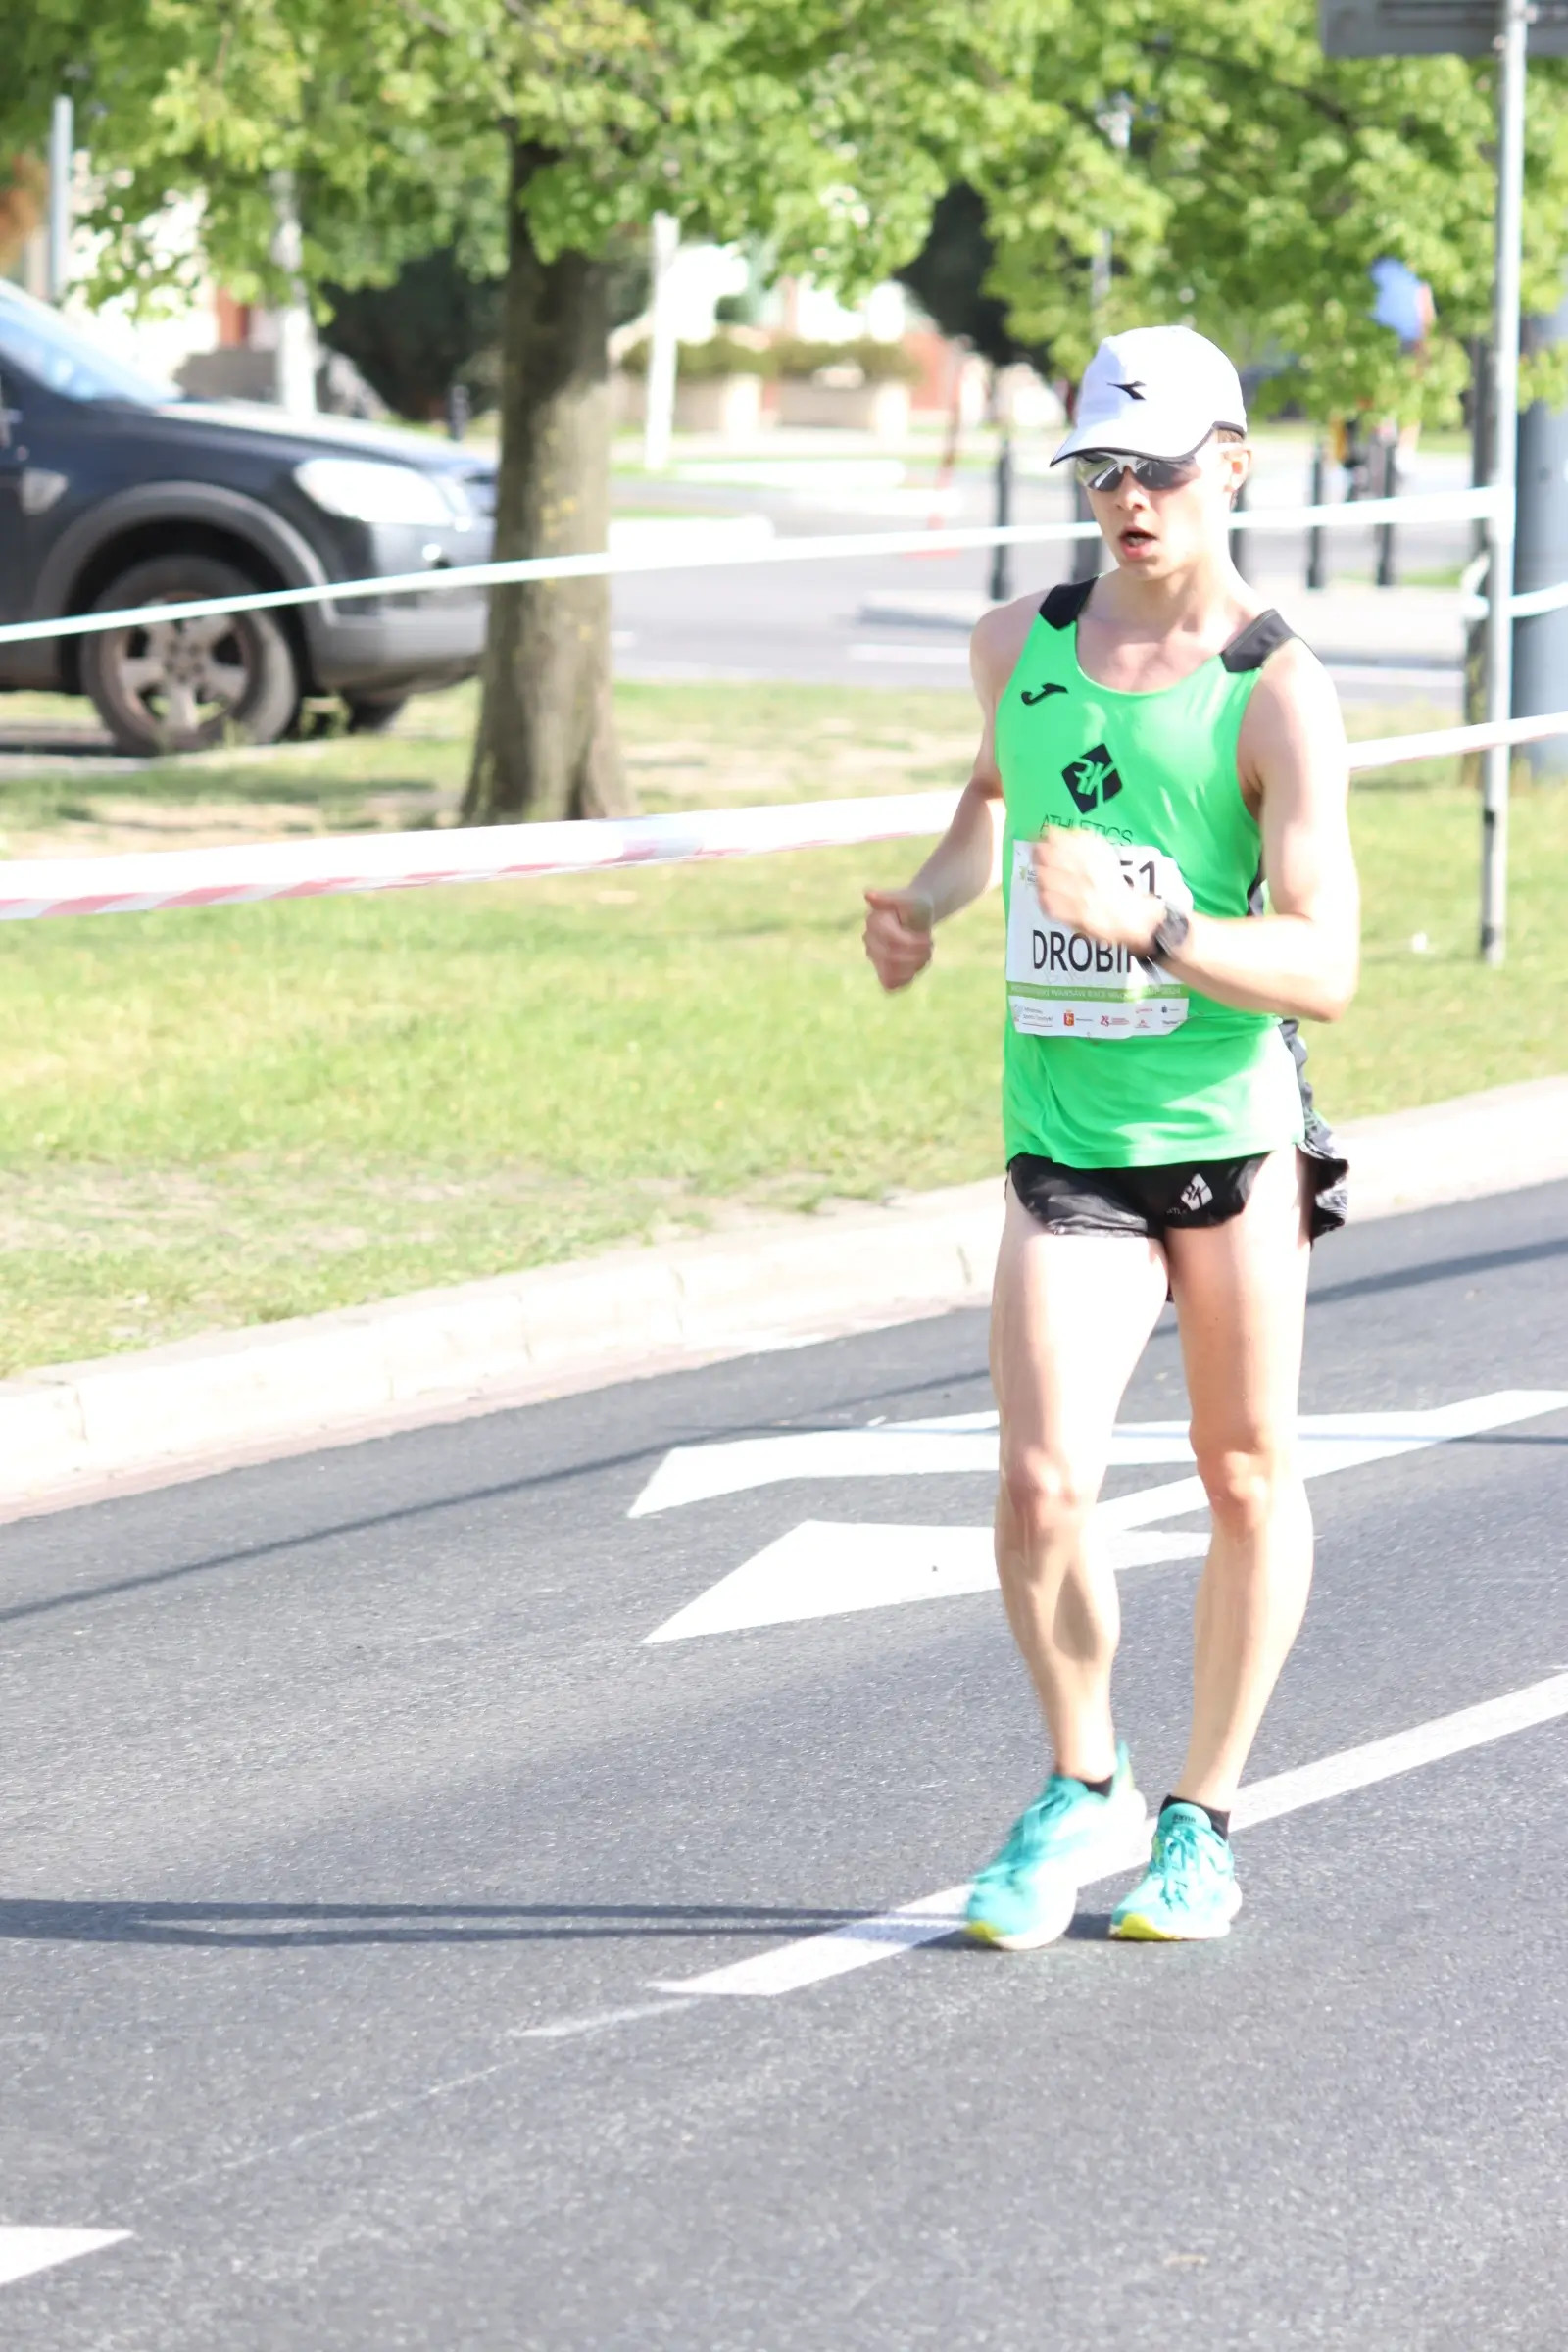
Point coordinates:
[(1432, 28)]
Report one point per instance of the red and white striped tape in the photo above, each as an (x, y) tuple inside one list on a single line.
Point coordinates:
[(331, 866)]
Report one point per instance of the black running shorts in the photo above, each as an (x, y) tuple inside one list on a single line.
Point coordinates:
[(1145, 1201)]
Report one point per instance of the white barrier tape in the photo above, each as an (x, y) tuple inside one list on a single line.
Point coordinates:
[(31, 888), (1396, 751), (1530, 604), (1436, 506)]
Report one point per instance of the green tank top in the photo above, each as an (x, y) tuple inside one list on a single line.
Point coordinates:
[(1107, 1063)]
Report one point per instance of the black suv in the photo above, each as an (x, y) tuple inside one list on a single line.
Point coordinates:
[(118, 491)]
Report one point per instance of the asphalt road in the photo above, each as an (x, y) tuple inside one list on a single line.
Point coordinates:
[(827, 623), (819, 623), (329, 1783)]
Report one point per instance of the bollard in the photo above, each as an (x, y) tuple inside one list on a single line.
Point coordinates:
[(1239, 538), (1388, 570), (1001, 556)]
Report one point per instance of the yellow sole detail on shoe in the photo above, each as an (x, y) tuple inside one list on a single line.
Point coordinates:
[(1135, 1929)]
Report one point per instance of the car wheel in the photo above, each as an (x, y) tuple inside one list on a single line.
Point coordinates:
[(184, 685), (373, 718)]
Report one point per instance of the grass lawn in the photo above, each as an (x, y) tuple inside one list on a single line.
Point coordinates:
[(214, 1118)]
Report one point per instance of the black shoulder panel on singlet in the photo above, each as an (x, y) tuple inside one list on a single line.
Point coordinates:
[(1252, 646), (1064, 603)]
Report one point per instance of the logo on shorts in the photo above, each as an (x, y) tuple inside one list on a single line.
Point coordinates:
[(1092, 780), (1197, 1196)]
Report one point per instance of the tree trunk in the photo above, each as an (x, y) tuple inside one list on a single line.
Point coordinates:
[(546, 745)]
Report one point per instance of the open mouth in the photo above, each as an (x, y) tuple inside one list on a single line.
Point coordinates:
[(1136, 541)]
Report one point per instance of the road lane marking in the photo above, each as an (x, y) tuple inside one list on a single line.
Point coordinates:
[(967, 1442), (24, 2251), (920, 656), (830, 1568), (815, 1959), (890, 1934), (567, 2029), (958, 1445), (824, 1568)]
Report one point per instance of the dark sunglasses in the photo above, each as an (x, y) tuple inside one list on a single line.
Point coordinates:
[(1099, 470)]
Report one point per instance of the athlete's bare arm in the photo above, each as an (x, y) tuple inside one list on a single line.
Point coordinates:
[(1303, 959), (897, 923)]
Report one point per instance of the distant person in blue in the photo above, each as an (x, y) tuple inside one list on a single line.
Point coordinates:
[(1404, 302)]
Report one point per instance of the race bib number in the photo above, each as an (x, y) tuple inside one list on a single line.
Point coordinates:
[(1062, 984)]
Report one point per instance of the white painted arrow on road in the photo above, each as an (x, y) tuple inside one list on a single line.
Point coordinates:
[(826, 1568), (24, 2251)]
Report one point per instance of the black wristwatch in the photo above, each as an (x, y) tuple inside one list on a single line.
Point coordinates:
[(1170, 935)]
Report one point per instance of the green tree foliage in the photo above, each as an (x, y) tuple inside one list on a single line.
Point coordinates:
[(1257, 183), (1260, 181), (529, 136)]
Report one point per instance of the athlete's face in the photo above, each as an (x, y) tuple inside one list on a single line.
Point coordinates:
[(1154, 533)]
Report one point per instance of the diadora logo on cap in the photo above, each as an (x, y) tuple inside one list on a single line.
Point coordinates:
[(1092, 780), (1133, 391)]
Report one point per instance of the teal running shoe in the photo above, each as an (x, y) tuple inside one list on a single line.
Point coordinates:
[(1067, 1837), (1189, 1892)]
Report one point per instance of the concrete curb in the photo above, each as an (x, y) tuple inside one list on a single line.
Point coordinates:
[(76, 1433)]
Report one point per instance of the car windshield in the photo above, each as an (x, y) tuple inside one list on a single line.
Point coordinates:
[(58, 354)]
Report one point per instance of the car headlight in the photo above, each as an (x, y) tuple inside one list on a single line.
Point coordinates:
[(363, 491)]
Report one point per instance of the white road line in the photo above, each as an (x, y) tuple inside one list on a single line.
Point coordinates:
[(918, 657), (24, 2251), (825, 1568), (567, 2029), (892, 1933), (833, 1568), (966, 1443)]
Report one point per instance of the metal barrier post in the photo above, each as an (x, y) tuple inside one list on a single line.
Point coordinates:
[(1002, 554), (1239, 538), (61, 165), (1315, 577), (1387, 573), (1513, 30)]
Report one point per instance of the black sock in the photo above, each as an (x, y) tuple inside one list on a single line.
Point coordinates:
[(1221, 1821), (1095, 1788)]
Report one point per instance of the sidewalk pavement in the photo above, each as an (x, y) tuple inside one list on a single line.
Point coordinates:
[(77, 1433)]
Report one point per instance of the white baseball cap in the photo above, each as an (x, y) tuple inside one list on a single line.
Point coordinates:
[(1154, 392)]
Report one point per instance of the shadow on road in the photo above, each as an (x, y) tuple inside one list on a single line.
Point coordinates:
[(263, 1925)]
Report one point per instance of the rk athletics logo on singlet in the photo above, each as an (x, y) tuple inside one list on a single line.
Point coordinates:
[(1092, 780)]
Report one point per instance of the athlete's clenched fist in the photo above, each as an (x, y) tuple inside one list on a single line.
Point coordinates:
[(1081, 881), (898, 935)]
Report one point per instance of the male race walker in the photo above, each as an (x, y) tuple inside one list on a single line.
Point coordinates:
[(1168, 765)]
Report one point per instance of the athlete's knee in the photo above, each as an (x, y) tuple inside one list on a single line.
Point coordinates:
[(1245, 1475), (1044, 1496)]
